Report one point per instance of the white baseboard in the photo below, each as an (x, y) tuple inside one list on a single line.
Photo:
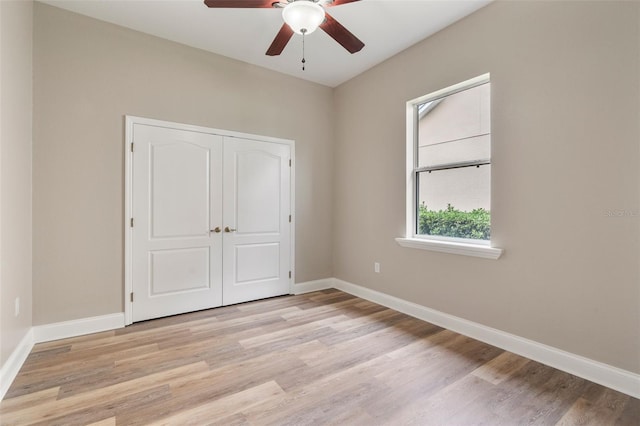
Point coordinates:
[(79, 327), (598, 372), (310, 286), (12, 366)]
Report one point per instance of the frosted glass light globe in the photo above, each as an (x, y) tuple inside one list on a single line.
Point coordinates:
[(303, 16)]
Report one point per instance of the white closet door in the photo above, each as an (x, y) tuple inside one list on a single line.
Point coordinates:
[(176, 205), (256, 218)]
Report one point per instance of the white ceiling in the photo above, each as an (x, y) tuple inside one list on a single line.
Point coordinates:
[(385, 26)]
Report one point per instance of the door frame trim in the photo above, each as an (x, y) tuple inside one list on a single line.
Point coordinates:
[(130, 121)]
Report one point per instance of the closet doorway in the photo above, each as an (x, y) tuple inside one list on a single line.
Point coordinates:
[(209, 218)]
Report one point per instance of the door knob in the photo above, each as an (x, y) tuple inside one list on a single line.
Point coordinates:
[(216, 230), (227, 229)]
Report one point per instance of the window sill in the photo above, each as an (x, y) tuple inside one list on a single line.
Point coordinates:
[(474, 250)]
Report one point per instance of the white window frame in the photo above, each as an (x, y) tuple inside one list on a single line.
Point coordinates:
[(462, 246)]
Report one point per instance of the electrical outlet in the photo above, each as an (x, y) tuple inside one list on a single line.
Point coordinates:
[(17, 307), (376, 267)]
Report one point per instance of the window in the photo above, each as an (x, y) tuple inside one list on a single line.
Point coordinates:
[(449, 170)]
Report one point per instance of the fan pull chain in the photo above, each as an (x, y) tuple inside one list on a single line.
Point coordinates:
[(303, 60)]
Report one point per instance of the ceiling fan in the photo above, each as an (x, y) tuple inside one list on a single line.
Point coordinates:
[(302, 17)]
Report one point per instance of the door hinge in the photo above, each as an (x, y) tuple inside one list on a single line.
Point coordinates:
[(131, 296), (131, 146), (289, 218), (289, 274), (131, 222), (289, 162)]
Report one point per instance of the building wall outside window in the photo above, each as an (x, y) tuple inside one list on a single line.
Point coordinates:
[(447, 132)]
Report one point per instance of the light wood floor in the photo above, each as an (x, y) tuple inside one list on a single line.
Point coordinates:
[(320, 358)]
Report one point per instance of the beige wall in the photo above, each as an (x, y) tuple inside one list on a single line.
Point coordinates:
[(565, 138), (87, 76), (16, 23)]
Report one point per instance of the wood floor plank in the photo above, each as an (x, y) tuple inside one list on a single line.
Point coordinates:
[(61, 379), (322, 358), (380, 317), (191, 391), (345, 355), (500, 368), (438, 408), (316, 405), (496, 406), (603, 411), (35, 359), (223, 407), (39, 347), (89, 352), (244, 319), (287, 333), (58, 374), (59, 407), (176, 321), (553, 399), (426, 374), (132, 369), (427, 365), (222, 381), (111, 421), (330, 297), (580, 413), (103, 409), (319, 312), (149, 336), (440, 338), (26, 401), (267, 305), (630, 414)]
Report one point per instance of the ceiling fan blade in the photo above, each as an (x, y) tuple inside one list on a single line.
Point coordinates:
[(338, 2), (281, 40), (341, 34), (240, 3)]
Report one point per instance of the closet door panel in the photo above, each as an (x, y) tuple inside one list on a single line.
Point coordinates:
[(256, 208), (177, 202)]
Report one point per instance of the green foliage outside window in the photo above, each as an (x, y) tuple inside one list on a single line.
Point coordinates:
[(451, 222)]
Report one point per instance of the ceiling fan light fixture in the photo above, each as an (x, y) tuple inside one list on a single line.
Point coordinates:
[(303, 16)]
